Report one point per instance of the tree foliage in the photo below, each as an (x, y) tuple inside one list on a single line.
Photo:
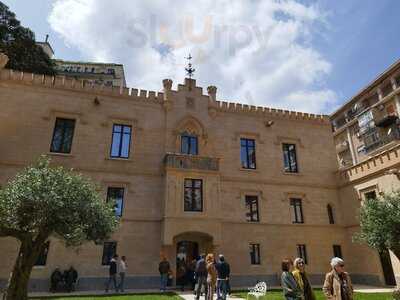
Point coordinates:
[(18, 43), (44, 201), (380, 223)]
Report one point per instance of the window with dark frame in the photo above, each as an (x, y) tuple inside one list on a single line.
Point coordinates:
[(109, 250), (297, 210), (330, 214), (189, 144), (337, 251), (116, 195), (290, 158), (255, 254), (252, 214), (121, 141), (248, 153), (302, 252), (193, 195), (370, 195), (42, 259), (62, 135)]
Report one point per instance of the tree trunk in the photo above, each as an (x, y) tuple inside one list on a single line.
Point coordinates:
[(18, 284)]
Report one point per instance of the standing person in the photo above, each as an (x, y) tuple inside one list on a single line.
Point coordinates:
[(223, 272), (201, 276), (164, 269), (211, 276), (113, 273), (71, 278), (122, 271), (301, 277), (190, 276), (337, 285), (291, 290), (181, 273)]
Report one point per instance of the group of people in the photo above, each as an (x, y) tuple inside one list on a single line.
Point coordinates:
[(117, 266), (63, 281), (206, 275), (296, 285)]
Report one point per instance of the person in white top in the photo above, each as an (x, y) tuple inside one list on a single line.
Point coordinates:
[(122, 270)]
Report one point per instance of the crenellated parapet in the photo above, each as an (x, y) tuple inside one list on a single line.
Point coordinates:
[(164, 98), (68, 83)]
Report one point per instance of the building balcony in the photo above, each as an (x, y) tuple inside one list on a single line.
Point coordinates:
[(382, 139), (191, 162), (342, 146)]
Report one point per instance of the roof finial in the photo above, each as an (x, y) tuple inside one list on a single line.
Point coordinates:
[(189, 69)]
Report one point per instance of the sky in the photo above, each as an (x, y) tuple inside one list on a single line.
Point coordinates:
[(309, 56)]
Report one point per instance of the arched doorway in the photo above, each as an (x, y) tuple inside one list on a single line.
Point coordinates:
[(189, 246)]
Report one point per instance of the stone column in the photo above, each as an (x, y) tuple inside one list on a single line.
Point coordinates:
[(351, 146), (3, 60), (393, 82), (379, 92)]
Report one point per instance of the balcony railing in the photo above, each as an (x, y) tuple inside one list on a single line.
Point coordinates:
[(382, 139), (191, 162)]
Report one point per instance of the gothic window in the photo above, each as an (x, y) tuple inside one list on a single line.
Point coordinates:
[(189, 144), (255, 254), (248, 153), (289, 158), (252, 209), (121, 141), (297, 210)]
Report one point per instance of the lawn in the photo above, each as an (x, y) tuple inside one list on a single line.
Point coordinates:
[(277, 295), (167, 296)]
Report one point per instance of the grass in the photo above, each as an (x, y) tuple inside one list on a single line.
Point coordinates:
[(166, 296), (277, 295)]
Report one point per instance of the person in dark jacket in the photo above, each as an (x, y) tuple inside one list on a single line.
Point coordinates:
[(223, 272), (164, 269), (291, 290), (71, 277), (113, 273), (201, 276), (56, 280)]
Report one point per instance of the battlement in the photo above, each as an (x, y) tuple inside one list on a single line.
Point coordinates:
[(68, 83), (268, 111)]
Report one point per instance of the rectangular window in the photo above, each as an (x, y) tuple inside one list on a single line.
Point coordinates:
[(289, 158), (189, 144), (62, 135), (109, 250), (255, 254), (116, 195), (302, 252), (297, 210), (337, 251), (248, 153), (193, 195), (121, 141), (252, 209), (370, 195), (42, 259)]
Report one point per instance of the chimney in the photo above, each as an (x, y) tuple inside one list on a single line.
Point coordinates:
[(47, 38)]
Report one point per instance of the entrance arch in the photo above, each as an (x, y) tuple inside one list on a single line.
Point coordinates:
[(188, 247)]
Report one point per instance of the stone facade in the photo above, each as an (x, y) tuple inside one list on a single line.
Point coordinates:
[(367, 139), (154, 219)]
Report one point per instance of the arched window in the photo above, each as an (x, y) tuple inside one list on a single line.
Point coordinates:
[(330, 214), (189, 144)]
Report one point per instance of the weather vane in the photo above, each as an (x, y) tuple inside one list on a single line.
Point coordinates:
[(189, 69)]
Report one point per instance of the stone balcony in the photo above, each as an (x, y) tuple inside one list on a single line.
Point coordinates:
[(191, 162)]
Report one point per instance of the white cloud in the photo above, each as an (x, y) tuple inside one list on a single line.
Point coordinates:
[(257, 52)]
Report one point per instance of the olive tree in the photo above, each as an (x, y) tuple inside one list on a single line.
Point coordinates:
[(44, 201), (380, 223)]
